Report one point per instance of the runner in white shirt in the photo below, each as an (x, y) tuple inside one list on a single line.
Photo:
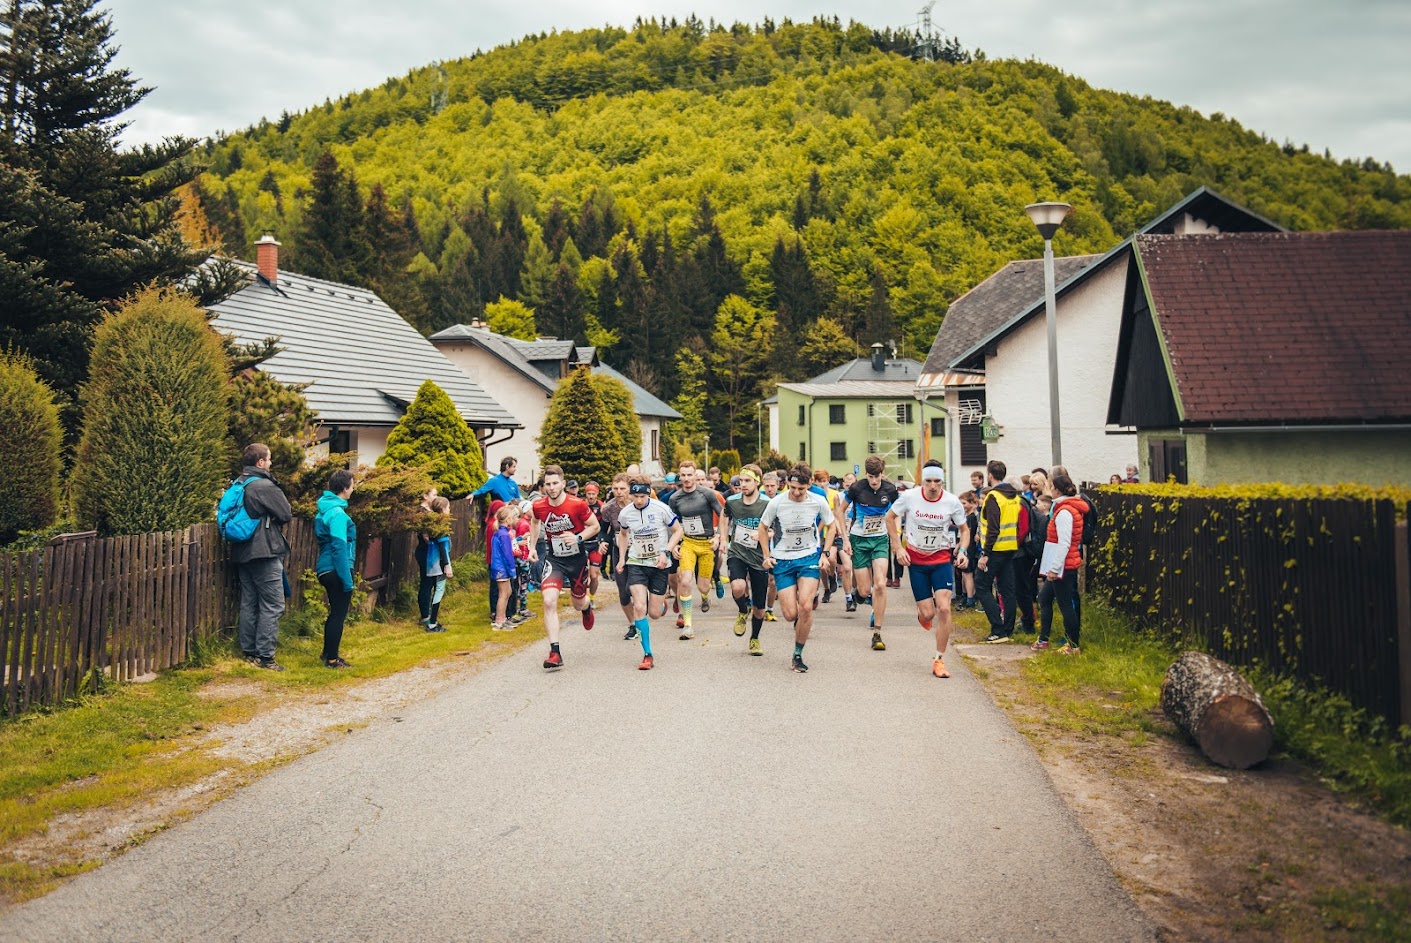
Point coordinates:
[(934, 524), (790, 541), (648, 533)]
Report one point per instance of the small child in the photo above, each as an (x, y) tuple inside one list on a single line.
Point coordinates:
[(971, 502), (503, 568), (521, 556), (436, 571)]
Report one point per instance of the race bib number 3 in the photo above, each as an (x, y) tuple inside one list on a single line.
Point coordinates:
[(693, 526), (564, 545), (746, 537), (798, 539), (873, 526)]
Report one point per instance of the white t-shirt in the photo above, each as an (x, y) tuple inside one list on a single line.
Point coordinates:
[(648, 530), (794, 524), (931, 528)]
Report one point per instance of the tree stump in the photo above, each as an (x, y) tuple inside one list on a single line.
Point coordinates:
[(1218, 709)]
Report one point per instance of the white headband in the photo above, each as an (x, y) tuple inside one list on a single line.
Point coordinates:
[(932, 473)]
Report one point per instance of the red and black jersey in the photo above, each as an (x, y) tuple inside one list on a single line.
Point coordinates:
[(556, 520)]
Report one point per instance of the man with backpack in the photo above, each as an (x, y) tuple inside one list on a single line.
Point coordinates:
[(1000, 546), (252, 512)]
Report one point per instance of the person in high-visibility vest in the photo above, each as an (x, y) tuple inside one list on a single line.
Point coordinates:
[(999, 523)]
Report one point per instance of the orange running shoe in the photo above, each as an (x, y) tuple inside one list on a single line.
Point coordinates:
[(647, 663), (938, 668), (925, 623)]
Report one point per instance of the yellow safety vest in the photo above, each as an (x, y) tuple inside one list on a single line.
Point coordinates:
[(1008, 538)]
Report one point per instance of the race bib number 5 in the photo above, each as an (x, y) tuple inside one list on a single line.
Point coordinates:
[(565, 545), (694, 526)]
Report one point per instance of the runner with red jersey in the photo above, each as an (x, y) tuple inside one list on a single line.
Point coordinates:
[(565, 522)]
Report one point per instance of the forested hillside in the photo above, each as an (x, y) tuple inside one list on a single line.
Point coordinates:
[(621, 184)]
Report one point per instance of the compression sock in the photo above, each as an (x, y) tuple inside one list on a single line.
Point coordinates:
[(553, 646), (686, 605), (644, 631), (755, 623), (798, 649), (743, 604)]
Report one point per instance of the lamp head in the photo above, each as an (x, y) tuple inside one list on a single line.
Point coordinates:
[(1047, 217)]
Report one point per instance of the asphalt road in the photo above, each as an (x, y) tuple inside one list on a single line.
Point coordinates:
[(718, 797)]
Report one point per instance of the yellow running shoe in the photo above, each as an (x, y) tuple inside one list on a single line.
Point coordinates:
[(741, 621), (769, 616), (754, 647)]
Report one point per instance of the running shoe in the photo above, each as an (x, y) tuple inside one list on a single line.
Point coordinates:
[(336, 663), (998, 639), (741, 621), (705, 602), (589, 619), (851, 605), (1038, 646), (872, 620), (680, 622), (938, 668), (719, 590), (827, 595), (925, 623), (631, 633), (798, 664), (754, 647), (687, 633), (554, 661), (1070, 650), (675, 604), (769, 616), (505, 626), (435, 627), (877, 644), (647, 663)]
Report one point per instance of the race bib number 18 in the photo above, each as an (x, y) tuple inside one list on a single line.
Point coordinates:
[(644, 548)]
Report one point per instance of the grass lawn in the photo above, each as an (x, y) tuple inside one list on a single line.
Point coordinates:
[(115, 749)]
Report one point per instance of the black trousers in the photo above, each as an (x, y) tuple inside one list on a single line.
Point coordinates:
[(1065, 591), (1026, 584), (998, 572), (338, 601)]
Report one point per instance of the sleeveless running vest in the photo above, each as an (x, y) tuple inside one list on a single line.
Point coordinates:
[(1009, 508)]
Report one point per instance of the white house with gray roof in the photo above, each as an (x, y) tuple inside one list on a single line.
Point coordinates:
[(362, 363), (524, 375)]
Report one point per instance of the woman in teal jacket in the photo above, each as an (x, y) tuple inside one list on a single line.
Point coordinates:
[(337, 543)]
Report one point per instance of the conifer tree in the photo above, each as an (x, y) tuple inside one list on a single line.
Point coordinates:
[(30, 432), (622, 410), (826, 347), (262, 409), (578, 434), (740, 348), (332, 243), (432, 435), (153, 452)]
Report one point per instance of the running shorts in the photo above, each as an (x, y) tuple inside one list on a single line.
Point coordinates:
[(654, 578), (697, 556), (929, 579), (867, 549), (788, 572), (757, 579), (597, 552), (566, 571), (624, 592)]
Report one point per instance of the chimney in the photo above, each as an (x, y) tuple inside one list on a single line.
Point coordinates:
[(267, 257), (879, 358)]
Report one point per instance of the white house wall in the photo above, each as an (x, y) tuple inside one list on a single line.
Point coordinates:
[(524, 399), (1016, 385)]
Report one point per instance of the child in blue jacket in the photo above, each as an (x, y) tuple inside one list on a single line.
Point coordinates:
[(503, 565), (435, 567), (337, 538)]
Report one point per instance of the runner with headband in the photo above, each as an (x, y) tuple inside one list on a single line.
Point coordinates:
[(934, 526), (648, 533), (749, 581), (789, 539)]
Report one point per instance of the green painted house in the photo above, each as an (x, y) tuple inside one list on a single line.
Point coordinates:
[(865, 407), (1262, 357)]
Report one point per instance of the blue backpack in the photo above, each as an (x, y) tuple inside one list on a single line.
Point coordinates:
[(232, 520)]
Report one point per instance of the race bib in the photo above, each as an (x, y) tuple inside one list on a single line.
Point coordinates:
[(874, 526), (930, 539), (645, 547), (798, 539), (564, 545), (694, 526), (745, 536)]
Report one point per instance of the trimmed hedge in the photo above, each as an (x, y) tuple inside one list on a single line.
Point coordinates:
[(31, 435)]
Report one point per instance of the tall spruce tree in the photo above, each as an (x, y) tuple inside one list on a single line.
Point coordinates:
[(578, 433), (88, 223), (432, 435), (332, 242)]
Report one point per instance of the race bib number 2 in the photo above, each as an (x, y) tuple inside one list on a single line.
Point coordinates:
[(746, 536)]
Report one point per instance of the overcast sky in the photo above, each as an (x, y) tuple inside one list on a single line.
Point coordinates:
[(1333, 74)]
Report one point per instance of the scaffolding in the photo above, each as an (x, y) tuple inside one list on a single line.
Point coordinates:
[(886, 435)]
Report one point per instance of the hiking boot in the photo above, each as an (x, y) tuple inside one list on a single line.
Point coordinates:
[(435, 627), (251, 657), (754, 647), (938, 668), (553, 662), (631, 633), (647, 663), (798, 664), (877, 644), (269, 664), (742, 621)]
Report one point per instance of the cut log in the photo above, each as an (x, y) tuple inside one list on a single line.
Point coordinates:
[(1218, 709)]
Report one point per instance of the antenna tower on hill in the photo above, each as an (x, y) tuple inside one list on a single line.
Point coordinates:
[(928, 42)]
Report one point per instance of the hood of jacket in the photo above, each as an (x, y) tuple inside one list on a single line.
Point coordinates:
[(1006, 489), (328, 502)]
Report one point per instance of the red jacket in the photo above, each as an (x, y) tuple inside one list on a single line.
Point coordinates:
[(1076, 508)]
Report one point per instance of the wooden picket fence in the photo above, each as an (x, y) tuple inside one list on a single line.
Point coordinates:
[(82, 609)]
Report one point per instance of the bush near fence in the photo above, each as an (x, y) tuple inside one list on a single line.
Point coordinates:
[(82, 610), (1301, 580)]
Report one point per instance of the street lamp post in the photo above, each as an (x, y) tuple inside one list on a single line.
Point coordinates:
[(1047, 217)]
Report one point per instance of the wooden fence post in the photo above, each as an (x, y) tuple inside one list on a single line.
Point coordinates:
[(1402, 543)]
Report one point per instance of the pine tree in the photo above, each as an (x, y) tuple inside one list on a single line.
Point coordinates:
[(740, 349), (153, 452), (262, 409), (690, 399), (826, 347), (622, 410), (333, 241), (29, 430), (432, 435), (562, 312), (578, 434)]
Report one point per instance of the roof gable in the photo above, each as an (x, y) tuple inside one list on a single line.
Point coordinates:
[(498, 347), (860, 368), (1283, 327), (359, 358), (642, 400)]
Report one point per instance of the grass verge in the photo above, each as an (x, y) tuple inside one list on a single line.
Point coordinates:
[(114, 750)]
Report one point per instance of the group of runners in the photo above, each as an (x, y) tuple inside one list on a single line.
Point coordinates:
[(782, 536)]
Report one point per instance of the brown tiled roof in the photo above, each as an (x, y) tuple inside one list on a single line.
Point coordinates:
[(1285, 327), (988, 306)]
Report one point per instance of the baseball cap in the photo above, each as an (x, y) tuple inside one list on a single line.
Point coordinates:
[(671, 478)]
